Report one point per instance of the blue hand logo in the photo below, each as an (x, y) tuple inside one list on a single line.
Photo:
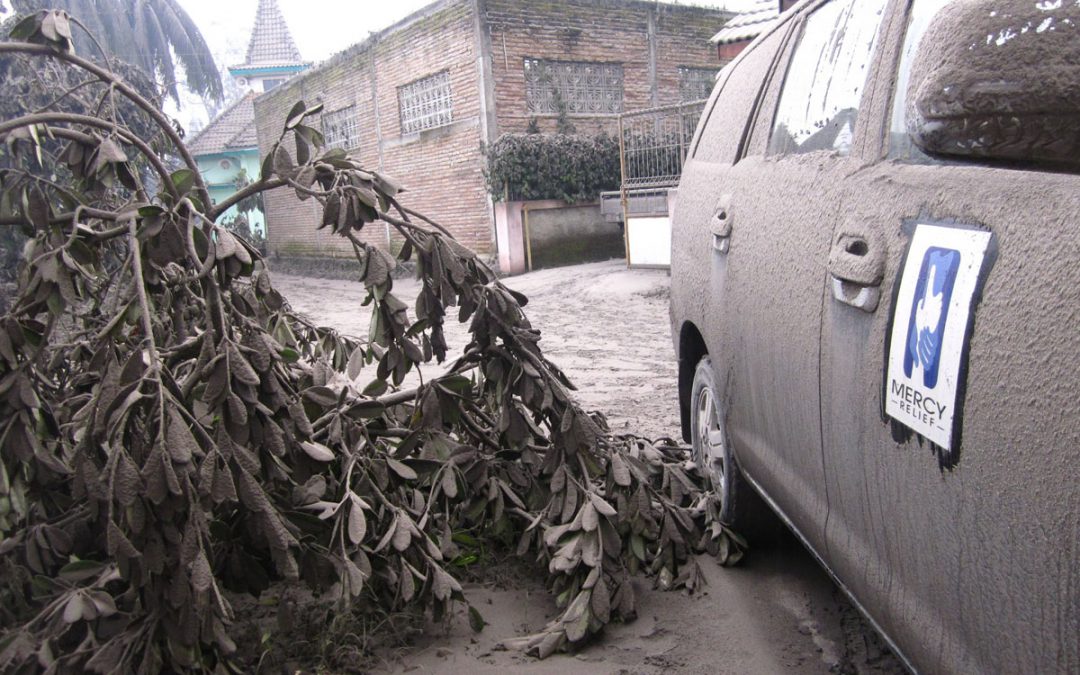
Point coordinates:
[(929, 312)]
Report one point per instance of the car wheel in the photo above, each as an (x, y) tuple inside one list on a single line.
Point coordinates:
[(740, 506)]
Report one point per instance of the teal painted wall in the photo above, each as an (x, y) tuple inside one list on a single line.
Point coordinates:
[(219, 170)]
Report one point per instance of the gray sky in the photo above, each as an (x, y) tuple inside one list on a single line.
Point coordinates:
[(320, 29)]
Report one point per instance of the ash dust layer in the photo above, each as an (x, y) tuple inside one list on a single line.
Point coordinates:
[(607, 327)]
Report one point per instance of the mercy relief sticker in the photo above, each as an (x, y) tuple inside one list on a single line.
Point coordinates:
[(930, 327)]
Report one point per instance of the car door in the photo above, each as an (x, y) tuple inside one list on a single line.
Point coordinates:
[(719, 252), (766, 225), (953, 515)]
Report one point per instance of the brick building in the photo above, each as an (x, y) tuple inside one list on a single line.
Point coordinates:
[(418, 99)]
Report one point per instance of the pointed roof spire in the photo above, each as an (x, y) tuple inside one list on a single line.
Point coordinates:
[(271, 43)]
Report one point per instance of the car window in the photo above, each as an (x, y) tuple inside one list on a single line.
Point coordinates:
[(726, 124), (825, 78), (900, 145)]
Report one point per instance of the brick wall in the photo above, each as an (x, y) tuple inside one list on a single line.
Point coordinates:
[(682, 37), (442, 168), (650, 41), (291, 223)]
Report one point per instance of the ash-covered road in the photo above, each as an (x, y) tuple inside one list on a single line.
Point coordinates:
[(607, 328)]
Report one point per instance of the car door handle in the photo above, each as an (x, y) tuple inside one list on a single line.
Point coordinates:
[(856, 268), (720, 225)]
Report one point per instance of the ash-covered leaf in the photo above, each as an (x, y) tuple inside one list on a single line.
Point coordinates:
[(401, 469), (283, 161), (201, 576), (81, 570), (317, 451), (619, 471), (180, 443), (75, 607), (357, 524)]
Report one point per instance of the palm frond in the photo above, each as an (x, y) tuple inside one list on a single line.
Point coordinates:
[(157, 43), (146, 34), (196, 56)]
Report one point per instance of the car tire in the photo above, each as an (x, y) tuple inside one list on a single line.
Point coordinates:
[(741, 508)]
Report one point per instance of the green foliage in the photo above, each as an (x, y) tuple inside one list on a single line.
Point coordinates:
[(563, 125), (573, 168), (248, 204), (240, 225), (172, 433)]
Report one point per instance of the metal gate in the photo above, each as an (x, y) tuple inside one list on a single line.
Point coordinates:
[(652, 148), (653, 144)]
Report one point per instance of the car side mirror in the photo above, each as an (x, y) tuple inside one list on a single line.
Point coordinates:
[(999, 80)]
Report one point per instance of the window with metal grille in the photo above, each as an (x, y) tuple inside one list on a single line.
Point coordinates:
[(339, 128), (579, 88), (426, 103), (695, 84)]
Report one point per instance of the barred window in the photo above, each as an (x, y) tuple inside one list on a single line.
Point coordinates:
[(339, 128), (426, 103), (695, 84), (580, 88)]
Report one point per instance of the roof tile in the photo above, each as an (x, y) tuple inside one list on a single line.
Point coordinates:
[(233, 129), (271, 43), (749, 24)]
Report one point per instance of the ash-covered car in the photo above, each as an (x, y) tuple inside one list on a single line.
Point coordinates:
[(875, 300)]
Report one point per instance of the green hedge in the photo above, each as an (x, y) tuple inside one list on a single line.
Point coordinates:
[(571, 167)]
